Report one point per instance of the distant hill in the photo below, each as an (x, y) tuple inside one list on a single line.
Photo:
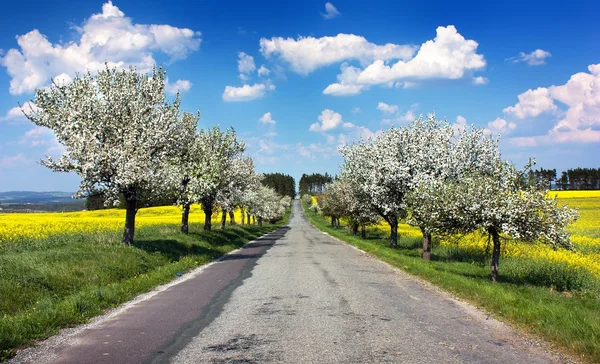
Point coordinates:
[(31, 201), (22, 197)]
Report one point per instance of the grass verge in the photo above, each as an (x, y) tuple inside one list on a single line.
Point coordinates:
[(66, 280), (569, 320)]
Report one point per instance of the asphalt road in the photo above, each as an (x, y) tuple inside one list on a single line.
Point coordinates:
[(295, 296)]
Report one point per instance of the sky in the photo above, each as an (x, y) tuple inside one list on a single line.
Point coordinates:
[(298, 80)]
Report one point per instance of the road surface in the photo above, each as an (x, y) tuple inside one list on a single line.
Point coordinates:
[(294, 296)]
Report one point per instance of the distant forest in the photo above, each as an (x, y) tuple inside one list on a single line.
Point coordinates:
[(314, 184), (571, 179), (283, 184)]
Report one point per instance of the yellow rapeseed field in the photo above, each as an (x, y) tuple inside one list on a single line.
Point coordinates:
[(18, 226), (585, 235)]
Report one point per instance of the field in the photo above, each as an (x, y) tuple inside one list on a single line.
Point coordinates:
[(553, 294), (60, 269), (585, 235), (18, 228)]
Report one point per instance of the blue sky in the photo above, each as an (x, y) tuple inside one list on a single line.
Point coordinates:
[(326, 73)]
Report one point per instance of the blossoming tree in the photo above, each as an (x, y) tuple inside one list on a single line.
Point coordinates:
[(118, 130)]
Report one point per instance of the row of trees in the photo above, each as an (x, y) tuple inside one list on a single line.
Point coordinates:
[(314, 183), (283, 184), (444, 182), (128, 142), (579, 179)]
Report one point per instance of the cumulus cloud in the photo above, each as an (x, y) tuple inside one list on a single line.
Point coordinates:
[(394, 116), (306, 54), (180, 86), (108, 37), (578, 122), (480, 80), (531, 104), (500, 126), (267, 119), (330, 11), (38, 136), (245, 63), (15, 114), (460, 124), (448, 56), (390, 109), (346, 85), (264, 71), (535, 58), (246, 92), (328, 120)]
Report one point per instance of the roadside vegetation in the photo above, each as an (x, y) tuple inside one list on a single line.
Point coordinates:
[(552, 293), (131, 146), (61, 280)]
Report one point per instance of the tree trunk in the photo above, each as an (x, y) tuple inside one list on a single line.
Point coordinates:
[(253, 220), (333, 221), (248, 218), (185, 217), (496, 253), (355, 228), (393, 221), (232, 217), (131, 209), (260, 221), (363, 231), (242, 211), (207, 206), (426, 245), (223, 219)]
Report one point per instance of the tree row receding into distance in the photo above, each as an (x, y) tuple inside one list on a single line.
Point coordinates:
[(127, 141), (443, 181)]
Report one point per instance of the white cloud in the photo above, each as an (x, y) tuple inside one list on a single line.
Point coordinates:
[(531, 104), (14, 160), (448, 56), (340, 89), (356, 110), (38, 136), (264, 71), (347, 82), (271, 134), (460, 124), (353, 133), (330, 11), (306, 54), (579, 123), (390, 109), (246, 92), (109, 37), (267, 119), (179, 86), (15, 114), (245, 63), (535, 58), (328, 120), (402, 118), (480, 80), (500, 126)]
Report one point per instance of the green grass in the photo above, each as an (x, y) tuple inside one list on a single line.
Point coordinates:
[(66, 280), (524, 296)]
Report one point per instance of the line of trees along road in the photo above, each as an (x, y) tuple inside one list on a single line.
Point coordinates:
[(283, 184), (314, 183), (127, 141), (443, 181)]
